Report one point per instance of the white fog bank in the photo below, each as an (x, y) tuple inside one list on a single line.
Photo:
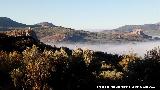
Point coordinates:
[(140, 48)]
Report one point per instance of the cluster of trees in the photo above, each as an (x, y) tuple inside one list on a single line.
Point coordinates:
[(64, 69)]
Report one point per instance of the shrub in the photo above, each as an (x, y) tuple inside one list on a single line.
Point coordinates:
[(153, 54), (126, 59), (112, 75)]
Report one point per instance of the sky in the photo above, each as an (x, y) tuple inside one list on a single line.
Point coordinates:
[(82, 14)]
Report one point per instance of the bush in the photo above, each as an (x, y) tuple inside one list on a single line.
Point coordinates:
[(61, 68)]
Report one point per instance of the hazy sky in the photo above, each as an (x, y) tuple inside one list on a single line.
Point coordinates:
[(82, 14)]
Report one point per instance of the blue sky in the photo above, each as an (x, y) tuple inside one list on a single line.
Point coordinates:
[(82, 14)]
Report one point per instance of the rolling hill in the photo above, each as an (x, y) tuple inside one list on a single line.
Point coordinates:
[(7, 22), (149, 29), (48, 32)]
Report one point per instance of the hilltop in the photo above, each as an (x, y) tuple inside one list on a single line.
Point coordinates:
[(7, 22), (149, 29), (45, 24)]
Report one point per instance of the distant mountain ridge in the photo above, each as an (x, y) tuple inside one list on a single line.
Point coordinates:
[(149, 29), (144, 27), (7, 22), (48, 32)]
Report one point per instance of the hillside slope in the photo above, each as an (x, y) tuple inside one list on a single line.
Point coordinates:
[(7, 22), (149, 29), (48, 32)]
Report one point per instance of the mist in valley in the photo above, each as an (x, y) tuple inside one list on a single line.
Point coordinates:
[(140, 48)]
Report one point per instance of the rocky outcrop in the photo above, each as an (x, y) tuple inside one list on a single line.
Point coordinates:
[(140, 33), (17, 39), (18, 33), (14, 41), (45, 24), (135, 35)]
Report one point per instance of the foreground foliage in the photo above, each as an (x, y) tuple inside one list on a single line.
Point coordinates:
[(64, 69)]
